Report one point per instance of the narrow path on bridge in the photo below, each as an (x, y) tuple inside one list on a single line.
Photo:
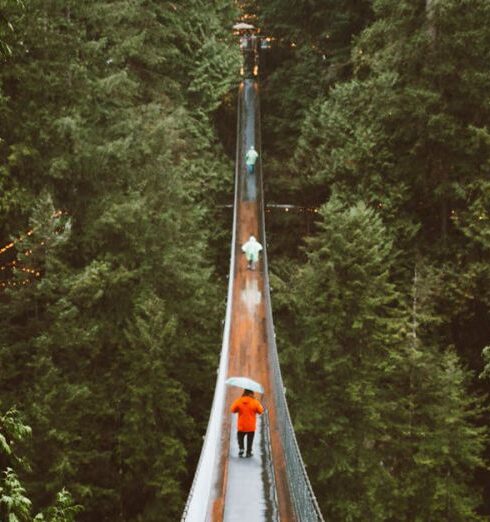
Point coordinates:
[(247, 488)]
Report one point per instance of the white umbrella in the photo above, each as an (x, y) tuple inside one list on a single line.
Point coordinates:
[(243, 26), (245, 383)]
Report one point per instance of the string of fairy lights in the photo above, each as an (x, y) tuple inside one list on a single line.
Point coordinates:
[(33, 273)]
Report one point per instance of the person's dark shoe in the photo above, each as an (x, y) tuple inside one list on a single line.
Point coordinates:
[(240, 454), (248, 455)]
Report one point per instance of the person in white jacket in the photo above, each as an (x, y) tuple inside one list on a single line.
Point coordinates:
[(252, 248)]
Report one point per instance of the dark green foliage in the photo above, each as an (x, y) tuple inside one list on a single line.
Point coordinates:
[(110, 318), (14, 504), (346, 342), (401, 126), (385, 418), (63, 510), (7, 30), (110, 341), (403, 137), (311, 46)]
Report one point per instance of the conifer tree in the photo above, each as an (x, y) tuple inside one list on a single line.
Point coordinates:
[(388, 416), (119, 134), (405, 135), (344, 299)]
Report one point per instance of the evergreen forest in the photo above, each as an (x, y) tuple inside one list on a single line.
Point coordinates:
[(117, 136)]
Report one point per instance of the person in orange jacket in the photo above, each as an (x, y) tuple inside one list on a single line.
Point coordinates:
[(247, 407)]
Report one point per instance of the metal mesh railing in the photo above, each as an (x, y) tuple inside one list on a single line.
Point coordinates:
[(270, 483)]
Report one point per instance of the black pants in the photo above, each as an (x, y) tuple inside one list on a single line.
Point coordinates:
[(250, 439)]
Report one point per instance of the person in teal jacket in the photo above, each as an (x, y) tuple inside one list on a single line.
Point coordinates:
[(250, 159)]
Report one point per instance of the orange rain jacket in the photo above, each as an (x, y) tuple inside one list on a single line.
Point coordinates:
[(247, 408)]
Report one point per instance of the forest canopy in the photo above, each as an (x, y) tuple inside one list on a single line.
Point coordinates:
[(375, 113), (107, 142), (116, 123)]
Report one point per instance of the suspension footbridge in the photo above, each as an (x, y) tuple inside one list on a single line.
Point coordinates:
[(272, 485)]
